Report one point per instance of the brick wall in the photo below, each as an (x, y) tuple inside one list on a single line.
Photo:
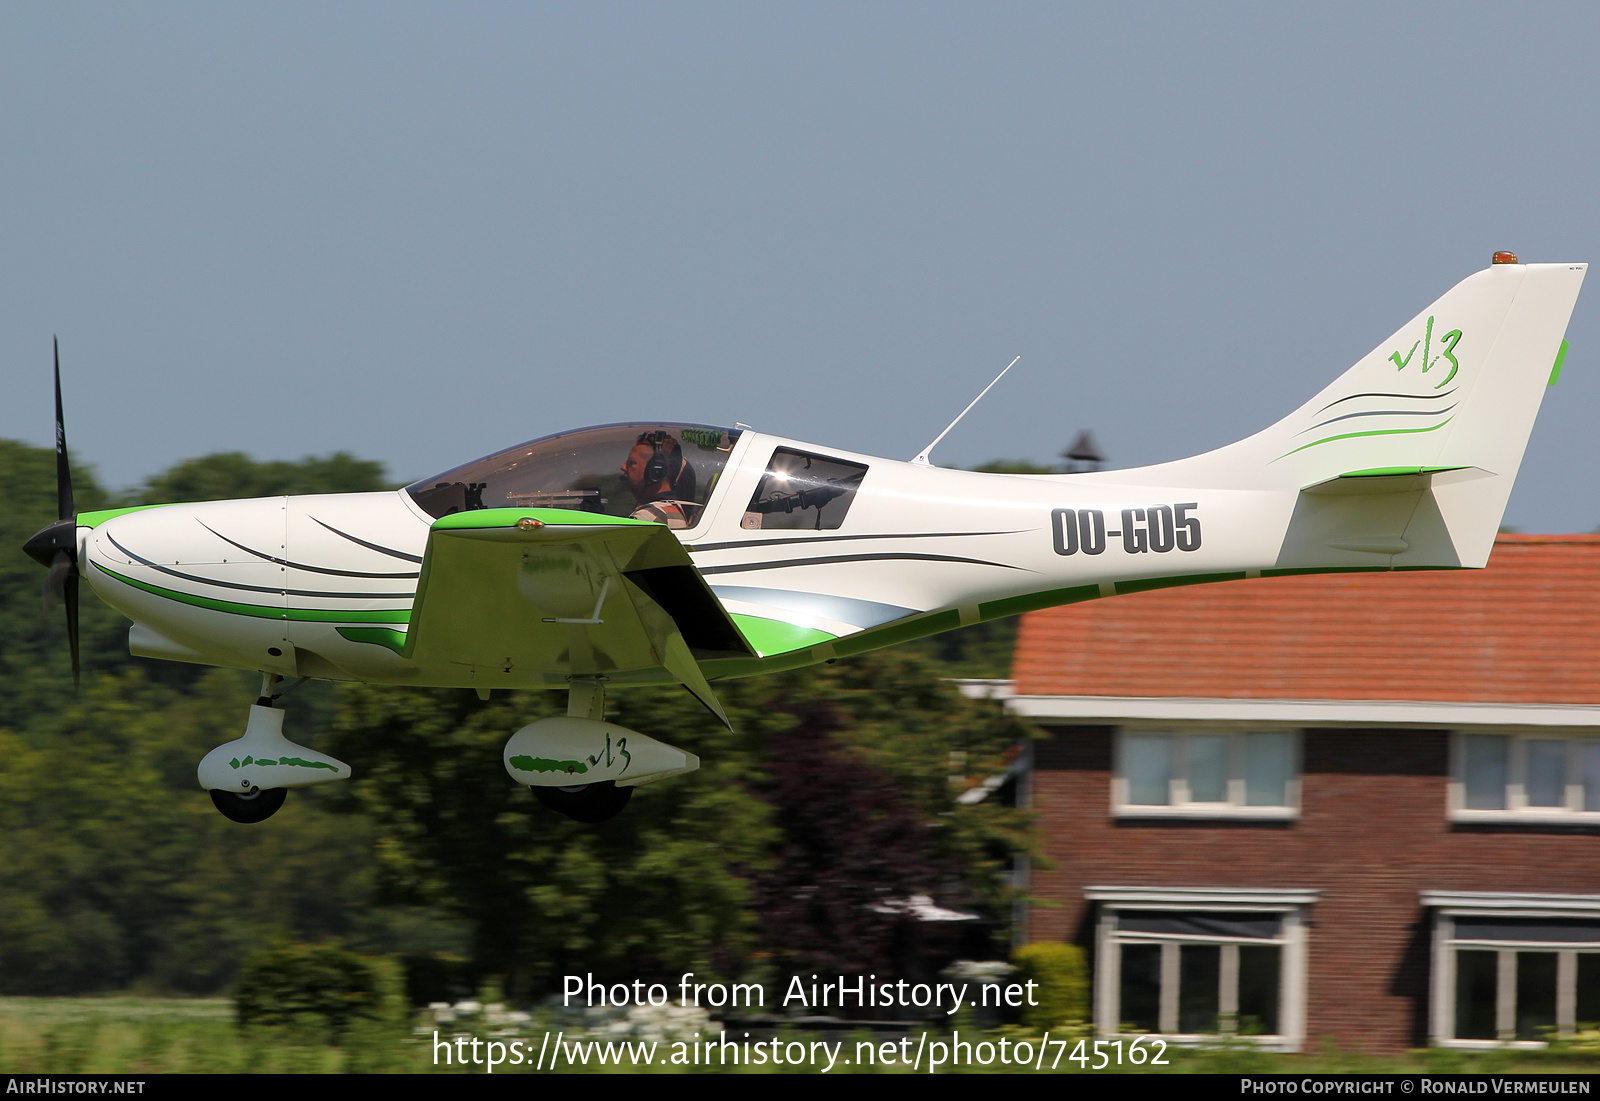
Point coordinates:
[(1371, 836)]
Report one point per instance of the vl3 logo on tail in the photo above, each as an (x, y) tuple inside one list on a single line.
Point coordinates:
[(1447, 353), (1368, 414)]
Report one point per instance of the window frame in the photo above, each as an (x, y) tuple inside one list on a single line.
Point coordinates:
[(1234, 807), (741, 436), (771, 473), (1290, 904), (1516, 797), (1447, 906)]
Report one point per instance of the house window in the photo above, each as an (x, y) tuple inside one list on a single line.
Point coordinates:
[(1525, 776), (1517, 969), (1193, 963), (1239, 773)]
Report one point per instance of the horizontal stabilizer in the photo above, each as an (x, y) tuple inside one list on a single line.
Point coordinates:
[(1383, 480)]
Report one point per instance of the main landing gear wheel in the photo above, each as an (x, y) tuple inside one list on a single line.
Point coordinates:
[(257, 806), (584, 803)]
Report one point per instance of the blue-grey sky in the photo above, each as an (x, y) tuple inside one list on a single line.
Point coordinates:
[(424, 232)]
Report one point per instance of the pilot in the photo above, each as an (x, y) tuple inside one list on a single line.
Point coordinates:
[(660, 479)]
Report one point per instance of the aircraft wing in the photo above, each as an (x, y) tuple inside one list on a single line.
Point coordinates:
[(564, 592)]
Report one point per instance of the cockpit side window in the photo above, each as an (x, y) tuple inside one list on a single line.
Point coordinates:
[(659, 472), (803, 491)]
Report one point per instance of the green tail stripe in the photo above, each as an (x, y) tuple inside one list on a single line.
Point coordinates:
[(1555, 372), (1375, 432)]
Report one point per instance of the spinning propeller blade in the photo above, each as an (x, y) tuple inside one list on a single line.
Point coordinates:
[(56, 547)]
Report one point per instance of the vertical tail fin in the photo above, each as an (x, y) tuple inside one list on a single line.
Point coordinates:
[(1444, 405)]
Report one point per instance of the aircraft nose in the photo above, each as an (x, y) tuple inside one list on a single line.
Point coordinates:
[(44, 544)]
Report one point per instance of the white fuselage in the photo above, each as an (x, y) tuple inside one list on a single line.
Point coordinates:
[(268, 584)]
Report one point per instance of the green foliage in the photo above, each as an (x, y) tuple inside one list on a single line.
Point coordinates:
[(932, 743), (317, 984), (1063, 990), (34, 668), (671, 885), (115, 869), (232, 475), (1015, 466), (658, 890), (981, 650)]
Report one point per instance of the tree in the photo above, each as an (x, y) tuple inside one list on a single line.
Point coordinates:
[(115, 869), (852, 856), (232, 475), (865, 786), (801, 836), (661, 889), (34, 665), (1015, 466)]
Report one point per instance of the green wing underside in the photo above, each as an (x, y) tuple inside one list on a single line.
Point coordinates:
[(570, 593)]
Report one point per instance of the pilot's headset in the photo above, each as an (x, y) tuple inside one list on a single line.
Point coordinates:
[(666, 458)]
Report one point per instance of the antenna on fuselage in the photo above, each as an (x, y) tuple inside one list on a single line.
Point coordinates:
[(922, 456)]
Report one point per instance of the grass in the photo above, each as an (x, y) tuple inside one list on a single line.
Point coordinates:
[(169, 1036), (131, 1035)]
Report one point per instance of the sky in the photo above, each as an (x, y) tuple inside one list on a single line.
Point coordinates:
[(421, 233)]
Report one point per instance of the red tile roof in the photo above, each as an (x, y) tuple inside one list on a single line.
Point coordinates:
[(1524, 630)]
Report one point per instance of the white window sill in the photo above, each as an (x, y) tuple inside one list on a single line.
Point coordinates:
[(1544, 816), (1211, 1039), (1492, 1045), (1210, 810)]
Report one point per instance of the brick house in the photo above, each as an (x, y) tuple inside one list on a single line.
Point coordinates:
[(1359, 807)]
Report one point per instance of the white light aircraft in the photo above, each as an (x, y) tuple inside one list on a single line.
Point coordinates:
[(651, 554)]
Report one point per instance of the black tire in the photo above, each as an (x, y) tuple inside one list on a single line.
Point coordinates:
[(586, 803), (256, 807)]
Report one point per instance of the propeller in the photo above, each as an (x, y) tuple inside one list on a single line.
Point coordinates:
[(56, 547)]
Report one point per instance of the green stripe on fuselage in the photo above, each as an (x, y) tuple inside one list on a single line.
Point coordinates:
[(377, 636), (95, 519), (555, 517), (262, 611), (773, 636)]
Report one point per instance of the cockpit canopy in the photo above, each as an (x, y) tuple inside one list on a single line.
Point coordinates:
[(582, 470)]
